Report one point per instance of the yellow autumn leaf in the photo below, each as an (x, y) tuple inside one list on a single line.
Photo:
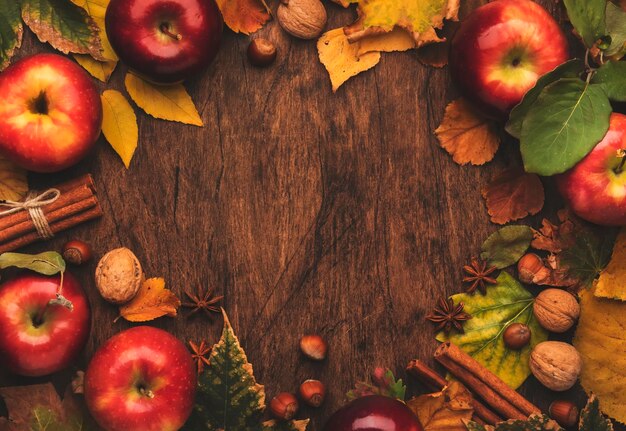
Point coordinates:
[(612, 281), (96, 9), (444, 411), (152, 301), (119, 125), (167, 102), (341, 58), (396, 40), (13, 181), (101, 70)]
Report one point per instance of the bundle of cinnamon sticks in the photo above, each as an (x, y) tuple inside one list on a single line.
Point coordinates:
[(76, 204)]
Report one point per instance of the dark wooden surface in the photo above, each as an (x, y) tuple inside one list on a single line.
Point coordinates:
[(312, 212)]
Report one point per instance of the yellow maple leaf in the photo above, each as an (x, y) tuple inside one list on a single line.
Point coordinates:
[(167, 102), (13, 181), (119, 125), (100, 70), (446, 410), (612, 281), (244, 16), (96, 9), (152, 301)]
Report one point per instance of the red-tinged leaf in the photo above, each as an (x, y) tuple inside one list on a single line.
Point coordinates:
[(244, 16), (512, 195)]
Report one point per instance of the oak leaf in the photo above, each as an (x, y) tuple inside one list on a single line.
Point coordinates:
[(512, 195), (100, 70), (13, 181), (612, 281), (244, 16), (466, 135), (167, 102), (119, 125), (152, 301), (444, 411)]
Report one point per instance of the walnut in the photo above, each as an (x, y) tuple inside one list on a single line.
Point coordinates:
[(556, 310), (302, 18), (119, 276), (556, 365)]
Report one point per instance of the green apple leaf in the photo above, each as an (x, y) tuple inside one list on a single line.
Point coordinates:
[(507, 245), (591, 418), (616, 28), (569, 69), (47, 263), (533, 423), (11, 30), (588, 18), (564, 124), (612, 77), (505, 303), (63, 25)]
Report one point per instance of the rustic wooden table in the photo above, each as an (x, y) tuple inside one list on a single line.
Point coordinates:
[(312, 212)]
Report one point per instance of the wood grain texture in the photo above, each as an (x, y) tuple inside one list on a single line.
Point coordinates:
[(311, 212)]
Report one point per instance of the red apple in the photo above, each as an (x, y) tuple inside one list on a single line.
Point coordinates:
[(500, 51), (142, 379), (165, 41), (374, 413), (50, 113), (38, 338), (596, 187)]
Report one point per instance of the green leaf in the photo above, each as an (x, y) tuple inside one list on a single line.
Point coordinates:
[(63, 25), (505, 303), (591, 418), (47, 263), (294, 425), (612, 77), (569, 69), (616, 28), (588, 18), (589, 255), (534, 423), (566, 121), (384, 383), (11, 30), (507, 245)]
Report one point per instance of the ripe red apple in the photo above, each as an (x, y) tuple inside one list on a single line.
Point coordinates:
[(374, 413), (50, 113), (596, 187), (165, 41), (142, 379), (500, 51), (37, 338)]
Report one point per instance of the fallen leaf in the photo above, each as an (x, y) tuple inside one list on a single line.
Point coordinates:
[(533, 423), (444, 411), (466, 135), (152, 301), (591, 418), (589, 255), (294, 425), (12, 30), (555, 238), (506, 246), (13, 181), (96, 9), (396, 40), (612, 281), (383, 383), (512, 195), (100, 70), (167, 102), (119, 125), (244, 16), (341, 58)]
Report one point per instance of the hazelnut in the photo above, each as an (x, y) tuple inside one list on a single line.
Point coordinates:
[(76, 252), (304, 19), (531, 269), (284, 406), (314, 347), (556, 365), (516, 336), (564, 412), (119, 276), (556, 310), (261, 52), (312, 392)]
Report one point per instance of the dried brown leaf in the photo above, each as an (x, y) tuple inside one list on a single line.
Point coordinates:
[(512, 195), (444, 411), (152, 301)]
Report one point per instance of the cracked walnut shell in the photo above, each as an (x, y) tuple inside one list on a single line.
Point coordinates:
[(556, 365), (119, 276), (556, 310)]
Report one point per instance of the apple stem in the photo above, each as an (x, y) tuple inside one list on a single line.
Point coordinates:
[(146, 392), (165, 29), (620, 167)]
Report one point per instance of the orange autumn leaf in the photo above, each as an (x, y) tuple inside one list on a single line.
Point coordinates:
[(153, 300), (512, 195), (466, 135), (244, 16)]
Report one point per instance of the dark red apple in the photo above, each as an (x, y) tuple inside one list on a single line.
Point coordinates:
[(142, 379), (500, 51), (596, 187), (50, 113), (374, 413), (165, 41), (37, 338)]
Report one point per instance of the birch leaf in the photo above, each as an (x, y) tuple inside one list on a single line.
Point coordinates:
[(119, 125), (512, 195), (13, 181)]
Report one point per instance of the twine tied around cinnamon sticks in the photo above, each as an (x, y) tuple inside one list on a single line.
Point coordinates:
[(33, 203)]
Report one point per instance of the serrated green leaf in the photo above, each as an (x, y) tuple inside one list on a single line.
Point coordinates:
[(505, 303), (47, 263), (11, 30), (507, 245), (563, 125), (569, 69), (589, 255), (612, 77), (588, 18), (616, 28), (534, 423), (591, 418), (63, 25)]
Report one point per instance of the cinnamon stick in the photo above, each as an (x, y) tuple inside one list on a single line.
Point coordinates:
[(435, 382)]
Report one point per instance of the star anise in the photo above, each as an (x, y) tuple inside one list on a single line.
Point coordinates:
[(198, 353), (446, 315), (478, 274), (203, 300)]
